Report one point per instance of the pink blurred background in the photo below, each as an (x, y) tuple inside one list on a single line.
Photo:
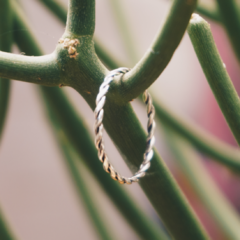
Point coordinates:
[(36, 193)]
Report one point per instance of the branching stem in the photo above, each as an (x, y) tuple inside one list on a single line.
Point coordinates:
[(76, 131)]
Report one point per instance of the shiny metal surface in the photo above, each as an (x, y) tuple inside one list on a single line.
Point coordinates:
[(98, 127)]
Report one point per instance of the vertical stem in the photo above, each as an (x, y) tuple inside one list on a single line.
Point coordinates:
[(6, 25), (81, 17), (215, 72)]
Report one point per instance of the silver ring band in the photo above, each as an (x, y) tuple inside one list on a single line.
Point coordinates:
[(98, 127)]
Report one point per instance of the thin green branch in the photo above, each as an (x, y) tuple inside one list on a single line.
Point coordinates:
[(159, 54), (80, 18), (40, 70), (79, 137), (81, 186), (215, 72), (6, 26), (216, 203), (229, 11)]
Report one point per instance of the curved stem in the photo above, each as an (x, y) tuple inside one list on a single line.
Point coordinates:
[(230, 15), (159, 54), (215, 72), (78, 135), (6, 26), (81, 17), (215, 202)]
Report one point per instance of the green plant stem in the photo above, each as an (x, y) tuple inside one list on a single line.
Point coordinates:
[(76, 131), (81, 17), (40, 70), (230, 15), (6, 26), (215, 202), (147, 70), (81, 186), (128, 135), (215, 72)]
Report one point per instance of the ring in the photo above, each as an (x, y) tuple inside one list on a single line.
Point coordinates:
[(98, 127)]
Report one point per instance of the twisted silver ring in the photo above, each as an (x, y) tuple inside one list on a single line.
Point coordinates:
[(100, 101)]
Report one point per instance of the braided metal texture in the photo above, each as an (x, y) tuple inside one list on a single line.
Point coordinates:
[(99, 112)]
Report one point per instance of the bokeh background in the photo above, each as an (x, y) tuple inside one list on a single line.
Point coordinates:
[(36, 192)]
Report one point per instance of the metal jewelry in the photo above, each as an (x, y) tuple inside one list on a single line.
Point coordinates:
[(147, 156)]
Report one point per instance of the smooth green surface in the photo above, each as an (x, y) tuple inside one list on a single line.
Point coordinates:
[(213, 199), (77, 133), (215, 72), (230, 15), (82, 187)]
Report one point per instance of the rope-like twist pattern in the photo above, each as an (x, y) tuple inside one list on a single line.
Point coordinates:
[(100, 101)]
